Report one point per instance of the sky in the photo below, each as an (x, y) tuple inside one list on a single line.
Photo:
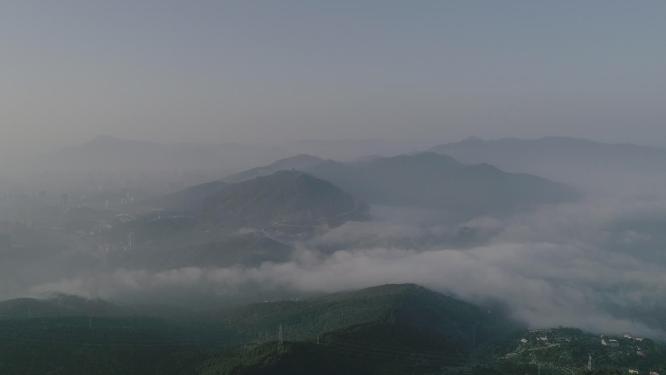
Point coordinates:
[(273, 71)]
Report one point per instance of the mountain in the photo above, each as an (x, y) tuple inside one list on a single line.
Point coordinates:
[(393, 327), (116, 163), (408, 329), (409, 306), (353, 149), (578, 162), (57, 306), (298, 162), (388, 329), (286, 199), (435, 181)]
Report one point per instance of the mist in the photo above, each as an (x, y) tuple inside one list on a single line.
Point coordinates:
[(577, 264), (170, 72), (433, 187)]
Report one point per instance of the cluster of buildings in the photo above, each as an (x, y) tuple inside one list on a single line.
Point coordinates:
[(628, 339), (627, 346)]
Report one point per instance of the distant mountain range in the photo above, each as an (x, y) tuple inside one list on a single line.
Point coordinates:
[(578, 162), (429, 180), (353, 149), (110, 162), (57, 306)]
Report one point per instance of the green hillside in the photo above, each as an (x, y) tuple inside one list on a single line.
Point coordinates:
[(390, 329), (411, 306), (391, 318)]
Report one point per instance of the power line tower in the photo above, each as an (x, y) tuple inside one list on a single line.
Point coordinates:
[(130, 241)]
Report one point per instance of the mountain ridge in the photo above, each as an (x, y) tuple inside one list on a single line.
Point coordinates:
[(285, 198), (578, 162), (434, 180)]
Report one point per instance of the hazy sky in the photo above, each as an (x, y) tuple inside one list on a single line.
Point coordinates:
[(260, 71)]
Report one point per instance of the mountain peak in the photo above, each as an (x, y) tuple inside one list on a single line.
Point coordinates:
[(296, 162), (286, 198)]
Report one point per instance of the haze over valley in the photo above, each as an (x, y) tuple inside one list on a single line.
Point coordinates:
[(371, 188), (306, 224)]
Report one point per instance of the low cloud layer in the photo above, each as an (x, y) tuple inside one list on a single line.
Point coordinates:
[(564, 265)]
